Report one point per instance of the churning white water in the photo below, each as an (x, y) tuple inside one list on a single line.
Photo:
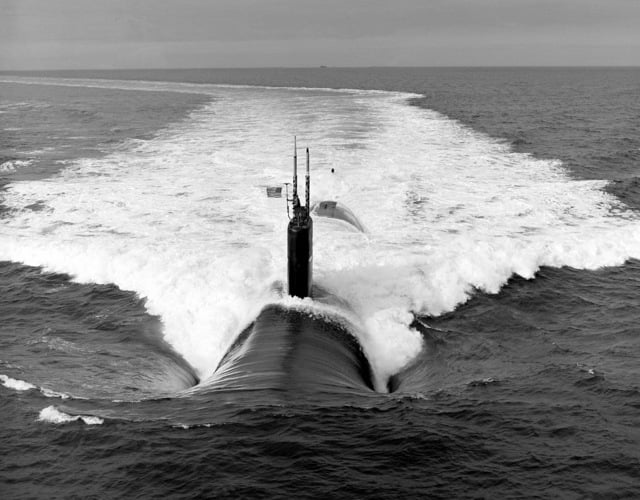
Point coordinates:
[(183, 219)]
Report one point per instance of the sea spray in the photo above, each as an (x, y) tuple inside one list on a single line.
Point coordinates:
[(53, 415)]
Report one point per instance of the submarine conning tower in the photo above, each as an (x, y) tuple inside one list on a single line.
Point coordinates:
[(299, 235)]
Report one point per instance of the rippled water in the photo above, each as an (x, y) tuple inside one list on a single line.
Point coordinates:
[(482, 294)]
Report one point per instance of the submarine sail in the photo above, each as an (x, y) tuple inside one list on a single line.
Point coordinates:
[(300, 236)]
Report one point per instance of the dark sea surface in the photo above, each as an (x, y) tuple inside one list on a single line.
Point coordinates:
[(480, 341)]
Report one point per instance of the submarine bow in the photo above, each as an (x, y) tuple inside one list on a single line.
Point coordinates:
[(291, 350)]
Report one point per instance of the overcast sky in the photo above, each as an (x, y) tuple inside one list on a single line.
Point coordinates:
[(95, 34)]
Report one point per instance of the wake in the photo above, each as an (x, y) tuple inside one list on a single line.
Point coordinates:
[(182, 220)]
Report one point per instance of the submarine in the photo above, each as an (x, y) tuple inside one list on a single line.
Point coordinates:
[(287, 350)]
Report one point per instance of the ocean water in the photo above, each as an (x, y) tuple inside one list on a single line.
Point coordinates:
[(479, 340)]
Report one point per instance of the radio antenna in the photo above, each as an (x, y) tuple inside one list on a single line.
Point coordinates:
[(295, 169), (307, 188)]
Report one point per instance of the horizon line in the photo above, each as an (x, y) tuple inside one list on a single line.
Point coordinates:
[(194, 68)]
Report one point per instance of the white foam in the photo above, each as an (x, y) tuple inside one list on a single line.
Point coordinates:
[(183, 220), (160, 86), (16, 385), (54, 394), (52, 415), (192, 426), (21, 385), (13, 165)]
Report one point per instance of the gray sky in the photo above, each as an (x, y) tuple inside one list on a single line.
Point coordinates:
[(95, 34)]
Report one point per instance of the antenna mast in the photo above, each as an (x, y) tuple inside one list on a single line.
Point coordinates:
[(295, 170), (307, 187)]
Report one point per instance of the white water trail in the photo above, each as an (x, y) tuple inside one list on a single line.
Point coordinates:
[(183, 219)]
